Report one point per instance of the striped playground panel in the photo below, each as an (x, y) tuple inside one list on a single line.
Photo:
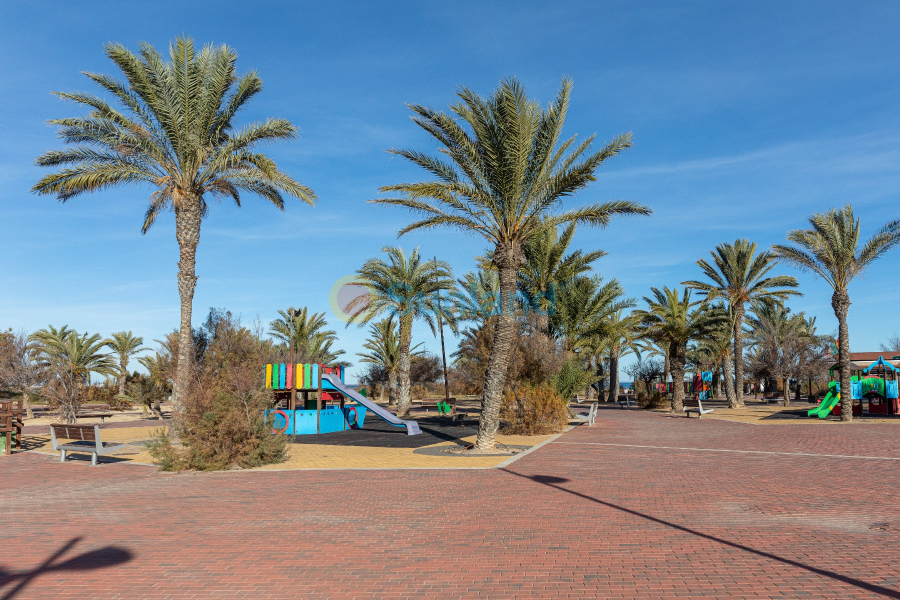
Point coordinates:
[(301, 376)]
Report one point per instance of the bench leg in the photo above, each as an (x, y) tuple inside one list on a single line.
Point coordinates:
[(93, 459), (62, 456)]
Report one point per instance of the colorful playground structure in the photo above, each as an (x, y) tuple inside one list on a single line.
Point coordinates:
[(317, 386), (875, 383), (699, 385)]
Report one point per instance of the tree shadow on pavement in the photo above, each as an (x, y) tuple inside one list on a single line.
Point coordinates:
[(556, 482), (108, 556)]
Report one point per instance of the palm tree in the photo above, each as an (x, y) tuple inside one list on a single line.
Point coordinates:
[(716, 348), (582, 306), (383, 348), (312, 343), (620, 333), (175, 132), (739, 275), (124, 345), (405, 287), (672, 319), (505, 177), (547, 267), (830, 249), (71, 358)]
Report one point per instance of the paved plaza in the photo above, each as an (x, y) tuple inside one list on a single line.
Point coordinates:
[(642, 505)]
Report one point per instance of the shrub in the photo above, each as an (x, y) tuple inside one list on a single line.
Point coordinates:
[(105, 394), (534, 410), (222, 424)]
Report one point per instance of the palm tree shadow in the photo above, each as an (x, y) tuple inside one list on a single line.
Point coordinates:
[(107, 556), (555, 482)]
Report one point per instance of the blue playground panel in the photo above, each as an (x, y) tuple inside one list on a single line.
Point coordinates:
[(303, 422)]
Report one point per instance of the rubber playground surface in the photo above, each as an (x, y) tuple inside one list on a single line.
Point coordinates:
[(641, 505)]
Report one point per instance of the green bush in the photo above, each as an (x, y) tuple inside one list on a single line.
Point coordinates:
[(534, 410), (221, 424)]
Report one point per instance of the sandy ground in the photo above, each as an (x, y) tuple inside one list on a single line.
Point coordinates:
[(124, 416), (319, 456)]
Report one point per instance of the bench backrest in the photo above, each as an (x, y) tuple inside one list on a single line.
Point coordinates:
[(692, 402), (86, 433)]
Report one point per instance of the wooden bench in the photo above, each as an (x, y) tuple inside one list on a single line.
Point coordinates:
[(627, 400), (694, 404), (100, 411), (11, 423), (83, 438)]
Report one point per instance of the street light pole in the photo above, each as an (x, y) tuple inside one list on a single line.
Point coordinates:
[(443, 350)]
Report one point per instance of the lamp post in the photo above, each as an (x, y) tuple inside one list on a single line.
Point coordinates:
[(443, 351)]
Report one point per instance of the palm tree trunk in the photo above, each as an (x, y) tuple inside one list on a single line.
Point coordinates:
[(739, 356), (729, 382), (787, 391), (123, 372), (187, 232), (599, 372), (677, 360), (392, 388), (498, 363), (403, 365), (840, 302), (613, 377)]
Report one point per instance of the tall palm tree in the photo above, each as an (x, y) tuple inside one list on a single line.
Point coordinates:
[(671, 318), (620, 333), (124, 345), (547, 267), (174, 131), (830, 249), (312, 342), (405, 287), (739, 275), (383, 351), (716, 348), (507, 173), (71, 358)]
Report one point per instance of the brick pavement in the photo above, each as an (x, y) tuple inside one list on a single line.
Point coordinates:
[(575, 519)]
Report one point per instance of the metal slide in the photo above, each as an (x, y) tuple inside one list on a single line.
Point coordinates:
[(412, 428)]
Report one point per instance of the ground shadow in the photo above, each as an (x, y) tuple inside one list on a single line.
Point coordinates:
[(378, 434), (101, 558), (556, 483), (30, 442)]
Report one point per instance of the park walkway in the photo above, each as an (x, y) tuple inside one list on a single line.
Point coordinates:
[(639, 506)]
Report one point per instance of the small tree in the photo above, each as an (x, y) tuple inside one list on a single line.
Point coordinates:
[(405, 287), (124, 345), (672, 318), (20, 367), (70, 359), (383, 353)]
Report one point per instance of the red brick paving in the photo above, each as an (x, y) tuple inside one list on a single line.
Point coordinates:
[(572, 520)]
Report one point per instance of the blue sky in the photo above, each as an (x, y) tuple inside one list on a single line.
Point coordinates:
[(747, 117)]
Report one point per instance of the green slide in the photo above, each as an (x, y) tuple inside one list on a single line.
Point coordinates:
[(828, 402)]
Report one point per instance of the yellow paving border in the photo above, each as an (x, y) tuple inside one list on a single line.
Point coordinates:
[(333, 457)]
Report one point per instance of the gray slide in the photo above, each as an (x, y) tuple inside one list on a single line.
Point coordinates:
[(412, 428)]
